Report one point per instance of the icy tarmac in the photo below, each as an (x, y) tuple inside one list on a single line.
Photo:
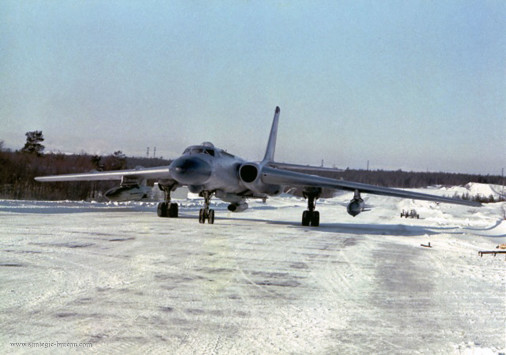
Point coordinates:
[(126, 281)]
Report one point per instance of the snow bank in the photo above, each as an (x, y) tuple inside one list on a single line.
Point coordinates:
[(475, 189)]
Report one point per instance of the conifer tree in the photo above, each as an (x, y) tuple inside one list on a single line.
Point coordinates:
[(33, 143)]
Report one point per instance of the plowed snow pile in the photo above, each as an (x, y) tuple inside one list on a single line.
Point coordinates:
[(125, 281)]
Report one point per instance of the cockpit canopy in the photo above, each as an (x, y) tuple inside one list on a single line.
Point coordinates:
[(204, 148)]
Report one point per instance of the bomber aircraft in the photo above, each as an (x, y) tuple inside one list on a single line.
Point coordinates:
[(208, 170)]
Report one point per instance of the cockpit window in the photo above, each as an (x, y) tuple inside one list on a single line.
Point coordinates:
[(199, 150)]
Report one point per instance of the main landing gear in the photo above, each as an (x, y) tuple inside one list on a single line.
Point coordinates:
[(310, 217), (166, 208), (206, 213)]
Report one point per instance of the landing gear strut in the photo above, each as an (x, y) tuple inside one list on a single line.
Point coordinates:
[(166, 208), (310, 217), (206, 213)]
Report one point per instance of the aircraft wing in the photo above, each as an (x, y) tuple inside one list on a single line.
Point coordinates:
[(290, 178), (307, 169), (162, 172)]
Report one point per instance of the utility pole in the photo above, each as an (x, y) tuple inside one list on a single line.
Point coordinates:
[(502, 175), (154, 152), (147, 153)]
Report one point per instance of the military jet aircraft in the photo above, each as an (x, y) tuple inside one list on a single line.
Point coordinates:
[(208, 170)]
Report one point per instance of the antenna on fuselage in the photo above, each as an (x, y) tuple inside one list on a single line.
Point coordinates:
[(271, 144)]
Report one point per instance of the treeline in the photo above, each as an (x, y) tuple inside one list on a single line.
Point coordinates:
[(410, 179), (18, 169)]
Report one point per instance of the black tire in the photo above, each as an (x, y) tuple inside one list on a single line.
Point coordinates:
[(306, 218), (173, 210), (315, 219), (210, 218), (202, 216), (161, 211)]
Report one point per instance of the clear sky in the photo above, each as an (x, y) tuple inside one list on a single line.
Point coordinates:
[(412, 85)]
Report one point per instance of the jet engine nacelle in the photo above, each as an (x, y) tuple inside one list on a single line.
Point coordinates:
[(355, 206), (237, 207), (250, 176), (127, 193)]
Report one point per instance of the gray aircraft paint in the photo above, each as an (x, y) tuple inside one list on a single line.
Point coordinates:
[(209, 170)]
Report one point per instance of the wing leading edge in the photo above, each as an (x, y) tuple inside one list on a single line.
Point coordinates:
[(146, 173), (290, 178)]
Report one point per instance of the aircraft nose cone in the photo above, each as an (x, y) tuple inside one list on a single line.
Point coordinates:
[(190, 170)]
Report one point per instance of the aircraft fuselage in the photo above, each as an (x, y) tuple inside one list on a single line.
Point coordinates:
[(207, 168)]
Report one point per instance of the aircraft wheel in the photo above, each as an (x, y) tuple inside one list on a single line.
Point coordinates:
[(202, 216), (306, 217), (210, 217), (315, 219), (173, 210), (161, 211)]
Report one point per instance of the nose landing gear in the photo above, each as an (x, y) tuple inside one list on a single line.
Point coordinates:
[(206, 213)]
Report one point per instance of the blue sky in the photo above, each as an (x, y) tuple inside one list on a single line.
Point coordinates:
[(412, 85)]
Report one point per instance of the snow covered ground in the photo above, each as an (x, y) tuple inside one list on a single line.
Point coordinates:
[(126, 281)]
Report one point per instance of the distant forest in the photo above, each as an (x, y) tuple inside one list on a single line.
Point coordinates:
[(18, 169)]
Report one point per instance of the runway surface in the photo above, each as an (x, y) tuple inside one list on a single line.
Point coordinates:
[(115, 278)]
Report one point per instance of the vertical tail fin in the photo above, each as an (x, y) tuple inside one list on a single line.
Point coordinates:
[(271, 145)]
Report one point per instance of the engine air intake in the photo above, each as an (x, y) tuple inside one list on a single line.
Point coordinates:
[(248, 173)]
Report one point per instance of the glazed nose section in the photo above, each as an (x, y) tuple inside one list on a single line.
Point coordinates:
[(190, 170)]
